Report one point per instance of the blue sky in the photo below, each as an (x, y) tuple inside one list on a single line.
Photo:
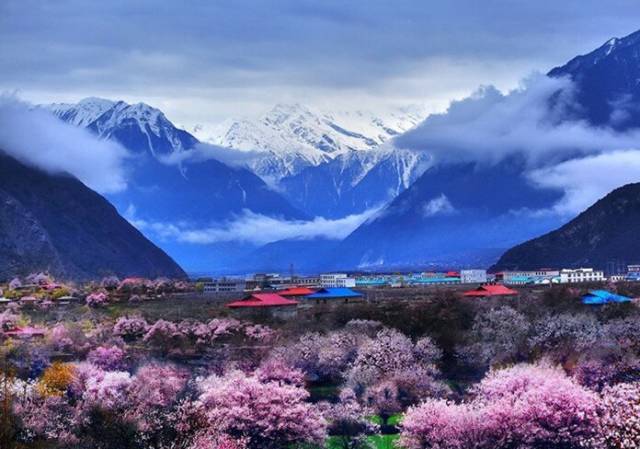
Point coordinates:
[(203, 61)]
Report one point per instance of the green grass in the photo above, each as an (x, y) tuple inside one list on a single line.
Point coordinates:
[(377, 441), (393, 420)]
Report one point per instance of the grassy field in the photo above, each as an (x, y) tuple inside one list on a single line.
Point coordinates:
[(377, 441)]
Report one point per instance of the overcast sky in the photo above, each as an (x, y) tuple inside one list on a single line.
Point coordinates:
[(204, 61)]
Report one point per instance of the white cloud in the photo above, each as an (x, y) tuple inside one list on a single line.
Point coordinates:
[(36, 137), (588, 179), (254, 228), (533, 120), (205, 151), (438, 206)]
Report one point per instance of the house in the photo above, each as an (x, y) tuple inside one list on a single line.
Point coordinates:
[(473, 276), (25, 332), (485, 291), (295, 292), (597, 297), (223, 285), (527, 277), (334, 293), (571, 276), (337, 280), (261, 300)]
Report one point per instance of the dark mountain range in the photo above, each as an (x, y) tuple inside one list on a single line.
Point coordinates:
[(607, 81), (56, 223), (605, 232), (193, 193), (453, 215), (462, 214)]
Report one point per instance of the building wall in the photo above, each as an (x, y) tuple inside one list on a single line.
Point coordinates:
[(568, 276), (473, 276)]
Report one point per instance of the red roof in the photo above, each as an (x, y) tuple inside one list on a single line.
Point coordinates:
[(25, 332), (263, 300), (452, 274), (491, 290), (296, 291)]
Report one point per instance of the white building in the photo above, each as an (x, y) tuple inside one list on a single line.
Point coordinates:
[(473, 276), (224, 285), (337, 280), (572, 276)]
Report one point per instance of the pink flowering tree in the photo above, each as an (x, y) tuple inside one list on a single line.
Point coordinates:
[(267, 415), (163, 336), (15, 283), (130, 328), (97, 299), (497, 336), (536, 405), (533, 406), (439, 424), (278, 371), (347, 421), (621, 416), (108, 357), (153, 396), (110, 282)]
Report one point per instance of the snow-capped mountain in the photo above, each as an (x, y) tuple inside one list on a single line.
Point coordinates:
[(355, 181), (139, 127), (290, 138)]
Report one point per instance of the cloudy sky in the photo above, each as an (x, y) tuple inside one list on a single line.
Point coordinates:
[(204, 61)]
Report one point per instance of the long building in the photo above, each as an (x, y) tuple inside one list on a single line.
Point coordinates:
[(572, 276)]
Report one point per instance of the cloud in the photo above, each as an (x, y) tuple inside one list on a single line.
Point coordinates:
[(535, 120), (438, 206), (36, 137), (588, 179), (216, 59), (205, 151), (253, 228)]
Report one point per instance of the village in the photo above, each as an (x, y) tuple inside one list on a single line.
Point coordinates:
[(282, 295)]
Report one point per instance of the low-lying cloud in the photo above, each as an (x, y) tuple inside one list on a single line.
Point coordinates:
[(439, 205), (35, 137), (536, 120), (254, 228), (588, 179), (206, 151)]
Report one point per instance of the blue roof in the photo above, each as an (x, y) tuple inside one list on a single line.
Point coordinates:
[(603, 297), (340, 292)]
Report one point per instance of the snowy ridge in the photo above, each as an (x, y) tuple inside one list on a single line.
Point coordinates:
[(138, 127), (82, 113), (290, 138)]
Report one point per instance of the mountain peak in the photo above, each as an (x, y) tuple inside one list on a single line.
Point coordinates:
[(138, 127)]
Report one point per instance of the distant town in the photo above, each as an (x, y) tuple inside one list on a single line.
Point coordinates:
[(543, 276)]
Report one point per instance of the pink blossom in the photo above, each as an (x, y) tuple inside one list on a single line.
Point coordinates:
[(97, 299), (269, 415), (107, 357), (107, 390), (133, 327), (621, 416), (438, 424)]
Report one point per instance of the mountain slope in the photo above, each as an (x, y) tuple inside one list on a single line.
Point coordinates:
[(462, 214), (138, 127), (453, 215), (56, 223), (355, 181), (607, 81), (605, 232)]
